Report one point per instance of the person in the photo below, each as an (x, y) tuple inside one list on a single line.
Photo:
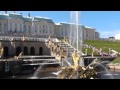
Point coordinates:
[(76, 58)]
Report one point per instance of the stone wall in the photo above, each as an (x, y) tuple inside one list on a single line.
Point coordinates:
[(12, 47)]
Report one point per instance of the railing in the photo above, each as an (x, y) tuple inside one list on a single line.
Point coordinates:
[(11, 38)]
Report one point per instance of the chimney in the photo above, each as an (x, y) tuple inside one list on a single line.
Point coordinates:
[(28, 14)]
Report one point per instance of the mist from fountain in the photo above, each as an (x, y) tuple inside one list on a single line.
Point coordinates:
[(37, 74), (82, 62), (102, 66), (67, 62), (97, 62)]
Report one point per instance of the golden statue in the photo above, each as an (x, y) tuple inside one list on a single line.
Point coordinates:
[(49, 38), (1, 51), (23, 38), (76, 58)]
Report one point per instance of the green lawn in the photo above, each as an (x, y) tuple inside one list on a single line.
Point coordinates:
[(105, 45), (89, 51)]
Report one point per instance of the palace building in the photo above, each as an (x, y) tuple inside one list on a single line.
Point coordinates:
[(19, 25), (62, 30)]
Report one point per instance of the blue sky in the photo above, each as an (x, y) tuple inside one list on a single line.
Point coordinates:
[(107, 23)]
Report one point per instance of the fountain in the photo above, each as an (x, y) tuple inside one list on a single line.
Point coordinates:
[(45, 71), (100, 68), (75, 35), (95, 70), (78, 69)]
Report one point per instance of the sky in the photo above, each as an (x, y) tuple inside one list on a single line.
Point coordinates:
[(107, 23)]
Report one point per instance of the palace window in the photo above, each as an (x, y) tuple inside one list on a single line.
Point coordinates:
[(15, 27), (5, 26), (40, 28), (29, 29), (43, 31), (20, 27), (0, 26), (25, 28), (35, 28)]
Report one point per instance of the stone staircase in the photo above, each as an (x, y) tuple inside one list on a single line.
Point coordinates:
[(60, 49)]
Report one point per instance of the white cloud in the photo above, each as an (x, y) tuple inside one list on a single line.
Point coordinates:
[(106, 34)]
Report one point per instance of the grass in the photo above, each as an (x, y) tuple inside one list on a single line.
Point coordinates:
[(105, 45), (89, 51), (117, 60)]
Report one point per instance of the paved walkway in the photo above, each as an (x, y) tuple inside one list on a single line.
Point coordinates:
[(114, 67)]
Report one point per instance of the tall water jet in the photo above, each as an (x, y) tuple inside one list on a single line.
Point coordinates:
[(75, 33)]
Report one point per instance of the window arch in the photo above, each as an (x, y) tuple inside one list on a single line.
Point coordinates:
[(25, 28), (32, 51), (6, 51), (25, 51), (15, 27), (18, 50), (40, 51)]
